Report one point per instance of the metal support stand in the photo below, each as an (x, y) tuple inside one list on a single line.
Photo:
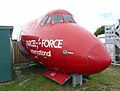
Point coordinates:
[(76, 79)]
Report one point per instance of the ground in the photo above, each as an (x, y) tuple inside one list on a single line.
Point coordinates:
[(31, 79)]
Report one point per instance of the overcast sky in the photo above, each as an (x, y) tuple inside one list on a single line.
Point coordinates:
[(89, 14)]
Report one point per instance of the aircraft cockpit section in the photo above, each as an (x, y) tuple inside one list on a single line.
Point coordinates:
[(57, 42), (57, 18)]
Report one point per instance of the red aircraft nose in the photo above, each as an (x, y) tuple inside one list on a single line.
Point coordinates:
[(99, 58)]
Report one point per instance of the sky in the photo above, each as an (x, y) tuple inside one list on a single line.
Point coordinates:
[(90, 14)]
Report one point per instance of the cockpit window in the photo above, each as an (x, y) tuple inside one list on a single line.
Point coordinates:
[(68, 18), (56, 18), (44, 20), (48, 20)]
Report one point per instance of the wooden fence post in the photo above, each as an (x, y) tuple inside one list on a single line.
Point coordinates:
[(18, 57)]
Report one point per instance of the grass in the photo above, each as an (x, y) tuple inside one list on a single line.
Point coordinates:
[(31, 79)]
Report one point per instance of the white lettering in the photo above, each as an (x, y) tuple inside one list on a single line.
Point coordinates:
[(60, 43), (55, 42), (45, 43), (52, 43), (42, 53), (31, 43)]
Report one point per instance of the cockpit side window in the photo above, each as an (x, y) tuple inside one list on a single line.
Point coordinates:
[(48, 20), (56, 18), (44, 20), (68, 18)]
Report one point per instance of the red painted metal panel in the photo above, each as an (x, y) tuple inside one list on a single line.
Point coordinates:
[(57, 76)]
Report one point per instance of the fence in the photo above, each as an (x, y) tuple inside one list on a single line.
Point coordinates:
[(18, 57)]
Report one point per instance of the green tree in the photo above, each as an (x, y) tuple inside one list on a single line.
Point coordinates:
[(100, 31)]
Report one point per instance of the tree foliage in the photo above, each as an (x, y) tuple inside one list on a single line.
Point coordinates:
[(99, 31)]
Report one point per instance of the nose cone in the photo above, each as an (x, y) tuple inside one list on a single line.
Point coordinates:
[(99, 59)]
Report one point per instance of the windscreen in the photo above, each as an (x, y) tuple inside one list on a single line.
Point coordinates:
[(68, 18)]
